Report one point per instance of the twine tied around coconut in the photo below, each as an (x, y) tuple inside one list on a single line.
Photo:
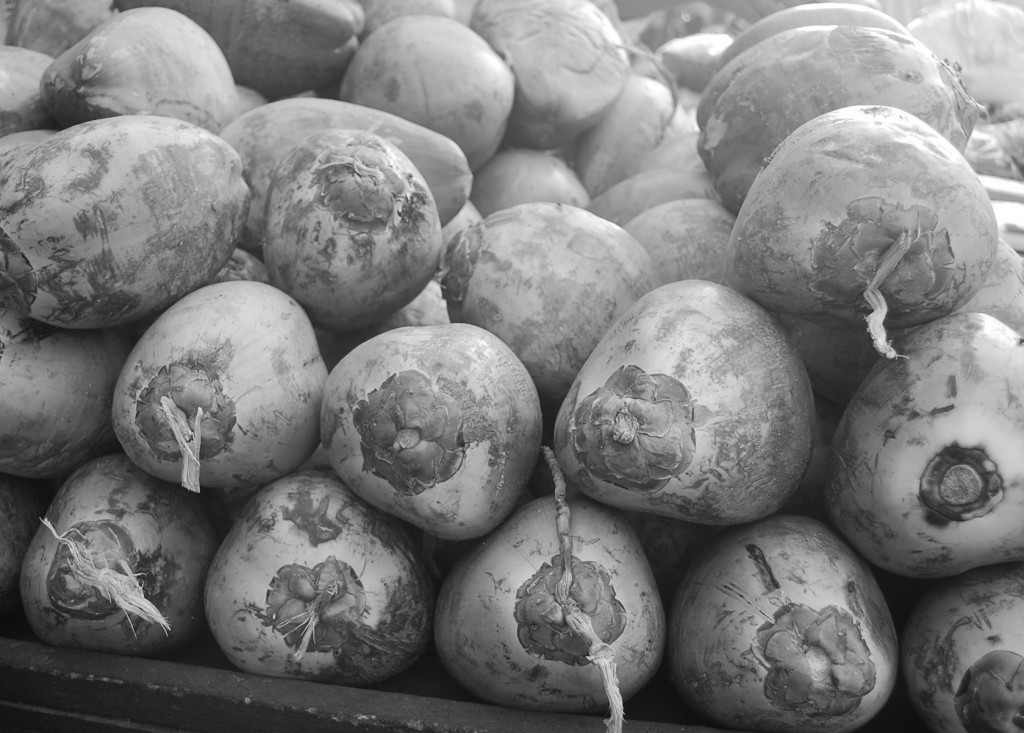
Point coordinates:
[(601, 654)]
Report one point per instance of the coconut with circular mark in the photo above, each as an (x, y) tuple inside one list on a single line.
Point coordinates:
[(925, 458)]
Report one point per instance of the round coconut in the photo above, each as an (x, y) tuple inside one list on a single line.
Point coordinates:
[(439, 73), (765, 93), (353, 232)]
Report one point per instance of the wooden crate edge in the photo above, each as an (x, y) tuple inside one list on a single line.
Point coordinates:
[(185, 697)]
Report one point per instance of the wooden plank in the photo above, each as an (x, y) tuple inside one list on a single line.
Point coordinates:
[(42, 688), (16, 718)]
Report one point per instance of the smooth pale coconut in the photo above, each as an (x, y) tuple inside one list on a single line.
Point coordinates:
[(436, 72)]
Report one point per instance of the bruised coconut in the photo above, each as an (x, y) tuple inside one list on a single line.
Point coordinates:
[(754, 102), (438, 425), (110, 221), (779, 625), (864, 213), (962, 651), (313, 583), (693, 405), (223, 389), (119, 562), (926, 457), (352, 230)]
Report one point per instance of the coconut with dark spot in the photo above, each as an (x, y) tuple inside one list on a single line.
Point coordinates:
[(353, 232), (110, 221), (222, 391), (925, 461), (439, 425)]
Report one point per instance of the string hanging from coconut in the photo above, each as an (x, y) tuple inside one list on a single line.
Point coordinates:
[(189, 439), (117, 583), (873, 294), (601, 654)]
